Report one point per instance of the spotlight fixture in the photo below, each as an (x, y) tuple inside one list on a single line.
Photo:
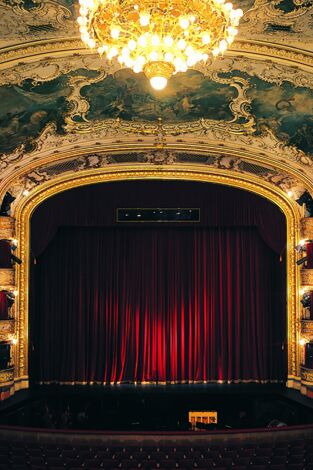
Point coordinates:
[(11, 299), (6, 204), (306, 199), (306, 300), (15, 259), (159, 37), (302, 260)]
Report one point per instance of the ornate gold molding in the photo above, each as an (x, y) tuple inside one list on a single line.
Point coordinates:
[(307, 328), (6, 227), (6, 329), (132, 172), (306, 376), (307, 277), (56, 47), (264, 50), (6, 377), (307, 228), (7, 279)]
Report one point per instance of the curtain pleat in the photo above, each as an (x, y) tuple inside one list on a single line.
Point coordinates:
[(158, 304)]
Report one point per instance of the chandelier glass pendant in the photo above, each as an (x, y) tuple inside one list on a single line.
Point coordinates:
[(158, 37)]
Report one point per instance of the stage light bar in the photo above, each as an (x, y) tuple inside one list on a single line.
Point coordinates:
[(158, 215)]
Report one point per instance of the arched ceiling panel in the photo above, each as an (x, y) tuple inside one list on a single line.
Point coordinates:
[(57, 97)]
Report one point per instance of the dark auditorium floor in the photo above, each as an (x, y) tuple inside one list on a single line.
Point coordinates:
[(154, 407)]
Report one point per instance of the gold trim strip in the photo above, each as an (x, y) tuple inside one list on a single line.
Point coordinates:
[(171, 382)]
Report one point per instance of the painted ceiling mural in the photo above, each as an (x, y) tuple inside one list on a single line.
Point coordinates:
[(285, 109), (52, 88), (26, 109), (187, 97)]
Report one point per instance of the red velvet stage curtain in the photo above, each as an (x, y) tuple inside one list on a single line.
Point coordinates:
[(309, 253), (95, 205), (5, 254), (158, 304), (3, 305)]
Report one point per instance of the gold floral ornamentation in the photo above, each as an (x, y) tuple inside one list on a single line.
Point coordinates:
[(132, 172), (6, 329), (307, 228), (6, 227), (7, 279), (307, 328), (307, 277), (306, 376), (259, 49), (6, 377)]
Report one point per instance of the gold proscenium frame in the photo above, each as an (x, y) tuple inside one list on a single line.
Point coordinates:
[(28, 204)]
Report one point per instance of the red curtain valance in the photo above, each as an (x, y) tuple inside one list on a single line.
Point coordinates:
[(96, 205)]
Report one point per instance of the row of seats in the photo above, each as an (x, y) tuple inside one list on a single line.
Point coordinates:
[(38, 456)]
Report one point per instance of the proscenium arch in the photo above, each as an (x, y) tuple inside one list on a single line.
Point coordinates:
[(27, 205)]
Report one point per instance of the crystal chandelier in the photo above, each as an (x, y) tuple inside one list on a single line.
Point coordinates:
[(158, 37)]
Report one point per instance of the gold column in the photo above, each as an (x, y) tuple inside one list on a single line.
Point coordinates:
[(306, 280), (7, 326)]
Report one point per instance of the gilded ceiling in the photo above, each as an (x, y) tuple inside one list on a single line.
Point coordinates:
[(63, 109)]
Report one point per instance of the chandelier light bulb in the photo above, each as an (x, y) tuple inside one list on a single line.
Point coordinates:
[(168, 41), (181, 44), (144, 20), (158, 83), (206, 38), (155, 40), (167, 36), (184, 23), (115, 33), (168, 57)]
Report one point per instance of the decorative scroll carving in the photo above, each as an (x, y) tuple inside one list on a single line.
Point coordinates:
[(6, 227), (7, 278), (6, 377), (239, 106), (307, 277), (6, 329), (47, 17), (43, 70), (306, 375), (160, 156), (307, 228), (266, 19), (307, 328)]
